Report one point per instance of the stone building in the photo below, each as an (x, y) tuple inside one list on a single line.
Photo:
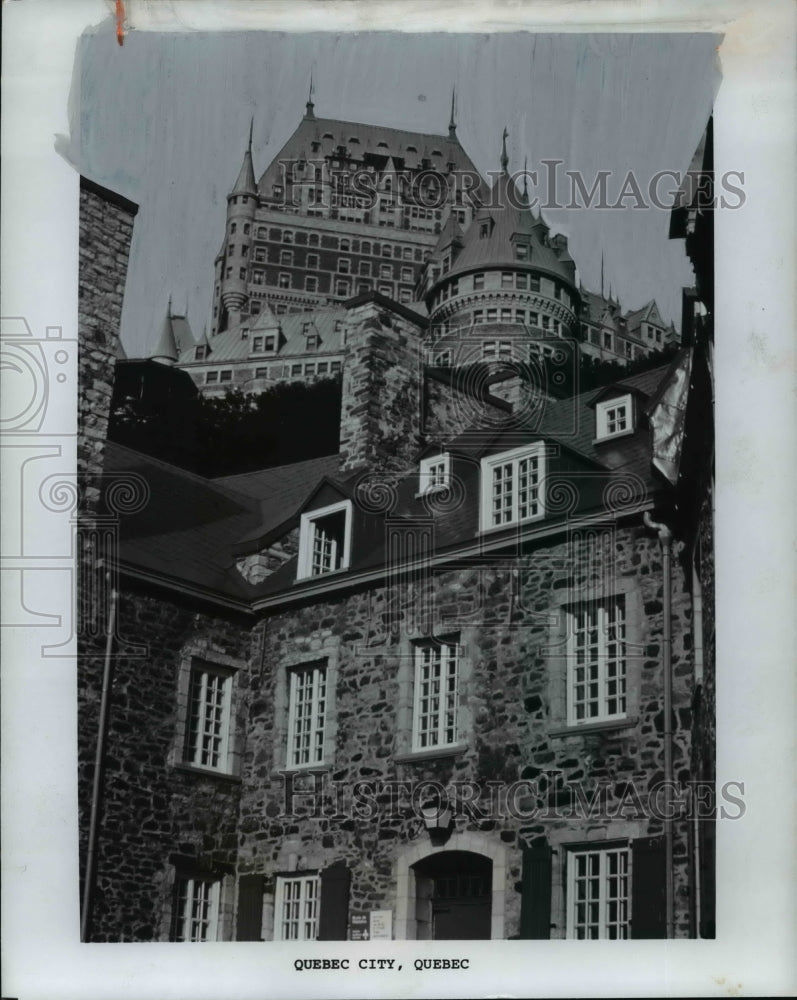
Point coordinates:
[(346, 209), (446, 676)]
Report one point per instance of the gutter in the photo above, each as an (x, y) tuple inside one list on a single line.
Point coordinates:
[(665, 540), (96, 790)]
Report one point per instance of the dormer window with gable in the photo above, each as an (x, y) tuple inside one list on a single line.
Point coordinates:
[(435, 473), (201, 352), (325, 540), (511, 487), (614, 417)]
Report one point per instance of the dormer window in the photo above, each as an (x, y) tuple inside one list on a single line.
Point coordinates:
[(484, 230), (435, 473), (614, 417), (325, 540), (511, 487), (201, 352), (522, 251)]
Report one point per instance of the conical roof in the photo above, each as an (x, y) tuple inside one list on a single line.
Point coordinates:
[(166, 348), (246, 178)]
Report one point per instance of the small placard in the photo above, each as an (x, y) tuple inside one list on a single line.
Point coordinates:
[(381, 925), (358, 927)]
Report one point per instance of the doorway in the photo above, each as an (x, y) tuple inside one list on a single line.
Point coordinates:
[(453, 896)]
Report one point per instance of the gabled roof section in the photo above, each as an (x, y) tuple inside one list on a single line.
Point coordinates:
[(649, 313)]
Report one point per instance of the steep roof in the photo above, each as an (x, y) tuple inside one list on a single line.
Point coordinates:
[(401, 145), (166, 346), (488, 240), (245, 184)]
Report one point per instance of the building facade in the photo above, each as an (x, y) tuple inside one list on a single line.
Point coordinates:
[(446, 676)]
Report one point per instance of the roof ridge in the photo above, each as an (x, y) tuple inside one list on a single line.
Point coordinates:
[(388, 128)]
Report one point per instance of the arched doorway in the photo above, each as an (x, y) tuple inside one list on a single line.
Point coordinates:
[(453, 896)]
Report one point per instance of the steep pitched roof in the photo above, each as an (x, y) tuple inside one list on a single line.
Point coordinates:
[(398, 144), (245, 183), (166, 346), (488, 240)]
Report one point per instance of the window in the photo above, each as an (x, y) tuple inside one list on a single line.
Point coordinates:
[(478, 282), (342, 287), (385, 271), (335, 366), (522, 251), (344, 265), (507, 279), (196, 915), (312, 260), (211, 377), (260, 255), (365, 268), (257, 277), (311, 284), (607, 340), (495, 350), (208, 721), (511, 490), (435, 700), (312, 240), (226, 376), (284, 281), (598, 899), (287, 237), (261, 372), (325, 540), (435, 471), (247, 228), (307, 714), (201, 352), (286, 257), (344, 244), (296, 908), (242, 273), (614, 417), (233, 227), (596, 667)]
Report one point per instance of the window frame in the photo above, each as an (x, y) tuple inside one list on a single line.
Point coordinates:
[(447, 707), (513, 456), (305, 879), (304, 569), (603, 852), (601, 660), (192, 745), (426, 466), (318, 721), (181, 919), (602, 419)]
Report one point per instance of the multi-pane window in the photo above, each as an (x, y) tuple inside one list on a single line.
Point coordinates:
[(435, 472), (496, 350), (324, 540), (308, 691), (296, 910), (614, 417), (596, 669), (511, 487), (197, 909), (207, 732), (435, 709), (598, 899)]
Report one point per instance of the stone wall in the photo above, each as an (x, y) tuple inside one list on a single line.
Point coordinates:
[(152, 806), (448, 410), (106, 229), (380, 422), (508, 710)]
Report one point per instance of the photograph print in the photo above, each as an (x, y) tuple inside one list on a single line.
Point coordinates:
[(395, 455)]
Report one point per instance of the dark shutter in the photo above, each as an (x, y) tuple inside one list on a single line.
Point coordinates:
[(535, 896), (648, 894), (249, 926), (333, 916)]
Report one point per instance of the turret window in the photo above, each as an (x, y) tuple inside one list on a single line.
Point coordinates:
[(247, 228), (507, 279), (534, 283), (478, 282), (242, 273), (233, 227), (522, 281)]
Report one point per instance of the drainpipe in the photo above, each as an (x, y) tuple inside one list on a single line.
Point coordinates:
[(105, 701), (697, 642), (665, 540)]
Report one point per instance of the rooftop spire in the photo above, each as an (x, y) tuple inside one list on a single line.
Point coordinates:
[(309, 107), (251, 127), (504, 156), (452, 124), (246, 183), (166, 349), (525, 196)]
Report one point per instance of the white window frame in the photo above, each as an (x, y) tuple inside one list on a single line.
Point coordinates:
[(513, 457), (308, 697), (606, 418), (435, 472), (209, 694), (301, 893), (602, 860), (307, 539), (604, 663), (191, 891), (435, 696)]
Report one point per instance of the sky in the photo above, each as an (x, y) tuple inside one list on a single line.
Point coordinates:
[(164, 121)]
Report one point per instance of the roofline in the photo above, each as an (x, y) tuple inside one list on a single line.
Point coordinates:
[(242, 605), (391, 304), (477, 548), (108, 195)]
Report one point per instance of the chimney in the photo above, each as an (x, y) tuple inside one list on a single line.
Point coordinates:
[(380, 418)]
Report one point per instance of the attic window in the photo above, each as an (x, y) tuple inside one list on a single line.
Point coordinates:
[(382, 145), (201, 352), (325, 540), (522, 251), (327, 135), (435, 473), (484, 230), (436, 152), (412, 149), (511, 487), (614, 417), (354, 139)]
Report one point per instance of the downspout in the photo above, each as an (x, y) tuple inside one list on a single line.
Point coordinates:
[(665, 540), (697, 642), (105, 701)]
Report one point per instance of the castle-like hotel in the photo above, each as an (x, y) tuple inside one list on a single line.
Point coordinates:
[(347, 209)]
